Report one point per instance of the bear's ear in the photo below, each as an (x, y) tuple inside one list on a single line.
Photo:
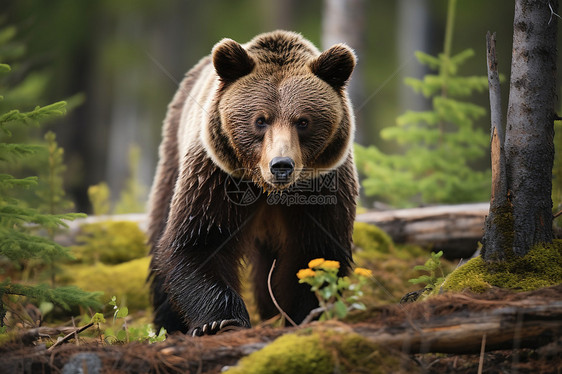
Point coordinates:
[(334, 65), (231, 60)]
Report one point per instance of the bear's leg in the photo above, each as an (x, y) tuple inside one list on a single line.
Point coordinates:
[(202, 283), (294, 298), (326, 237), (164, 315)]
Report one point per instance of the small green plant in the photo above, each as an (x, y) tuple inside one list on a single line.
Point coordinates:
[(51, 184), (433, 267), (98, 319), (50, 190), (116, 334), (336, 295), (122, 334), (146, 333)]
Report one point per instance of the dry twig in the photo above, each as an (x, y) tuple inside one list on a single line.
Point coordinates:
[(273, 297)]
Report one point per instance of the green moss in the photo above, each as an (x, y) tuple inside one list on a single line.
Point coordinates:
[(371, 238), (503, 220), (321, 352), (127, 281), (290, 353), (502, 225), (8, 337), (469, 276), (541, 267), (110, 242)]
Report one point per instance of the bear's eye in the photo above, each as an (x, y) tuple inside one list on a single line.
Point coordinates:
[(302, 123), (261, 123)]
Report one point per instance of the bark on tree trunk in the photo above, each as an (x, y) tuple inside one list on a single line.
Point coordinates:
[(529, 148), (496, 236)]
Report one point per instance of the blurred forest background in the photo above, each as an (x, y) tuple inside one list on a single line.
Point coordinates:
[(118, 63)]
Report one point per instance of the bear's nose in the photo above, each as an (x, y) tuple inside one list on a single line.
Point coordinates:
[(281, 168)]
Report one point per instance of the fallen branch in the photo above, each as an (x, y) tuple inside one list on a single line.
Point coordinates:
[(285, 315), (314, 313), (72, 334), (30, 336), (482, 350)]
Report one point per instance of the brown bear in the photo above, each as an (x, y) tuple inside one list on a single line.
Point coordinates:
[(256, 165)]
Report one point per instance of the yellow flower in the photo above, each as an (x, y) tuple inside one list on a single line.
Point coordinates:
[(331, 265), (305, 273), (315, 263), (363, 272)]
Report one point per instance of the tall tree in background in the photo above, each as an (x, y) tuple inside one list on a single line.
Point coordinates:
[(413, 35), (521, 206), (343, 21)]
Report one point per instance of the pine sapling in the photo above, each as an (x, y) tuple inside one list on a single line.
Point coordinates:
[(440, 145)]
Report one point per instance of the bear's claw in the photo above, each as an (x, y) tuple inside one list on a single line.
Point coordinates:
[(216, 326)]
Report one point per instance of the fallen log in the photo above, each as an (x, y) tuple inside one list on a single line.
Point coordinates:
[(454, 229), (504, 328)]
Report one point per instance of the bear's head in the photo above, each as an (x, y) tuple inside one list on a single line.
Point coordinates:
[(280, 110)]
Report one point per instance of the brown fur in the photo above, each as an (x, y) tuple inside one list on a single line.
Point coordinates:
[(211, 141)]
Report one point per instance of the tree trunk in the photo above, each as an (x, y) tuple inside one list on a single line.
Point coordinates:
[(529, 148), (413, 35), (278, 14), (343, 22)]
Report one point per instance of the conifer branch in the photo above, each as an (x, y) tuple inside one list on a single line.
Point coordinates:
[(21, 221)]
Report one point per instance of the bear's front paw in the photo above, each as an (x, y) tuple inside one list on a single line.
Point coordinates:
[(214, 327)]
